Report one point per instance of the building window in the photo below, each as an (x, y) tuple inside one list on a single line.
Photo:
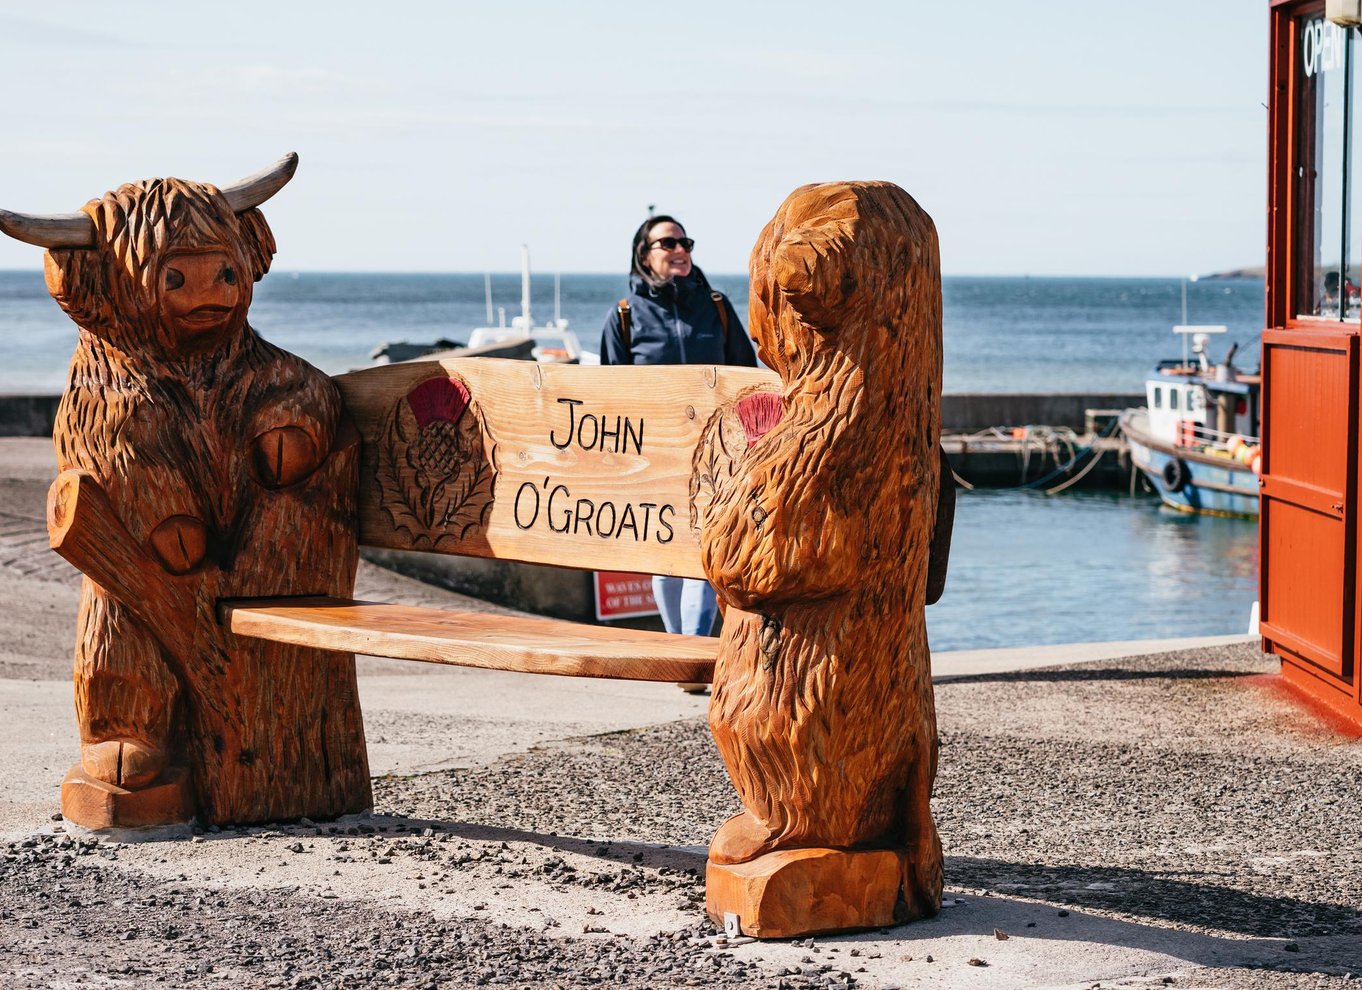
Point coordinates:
[(1327, 251)]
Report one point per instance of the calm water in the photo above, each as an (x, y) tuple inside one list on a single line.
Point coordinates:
[(1001, 334), (1029, 568), (1026, 568)]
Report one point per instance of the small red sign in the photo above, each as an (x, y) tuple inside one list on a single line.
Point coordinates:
[(624, 596)]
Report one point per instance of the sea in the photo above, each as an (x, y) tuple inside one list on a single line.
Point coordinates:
[(1026, 568)]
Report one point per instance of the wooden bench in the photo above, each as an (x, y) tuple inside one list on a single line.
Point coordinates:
[(214, 491), (585, 467), (571, 466)]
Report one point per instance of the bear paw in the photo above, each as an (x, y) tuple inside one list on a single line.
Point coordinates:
[(741, 839), (285, 456), (124, 762), (181, 543)]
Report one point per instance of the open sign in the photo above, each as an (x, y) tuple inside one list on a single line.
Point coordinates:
[(1322, 47)]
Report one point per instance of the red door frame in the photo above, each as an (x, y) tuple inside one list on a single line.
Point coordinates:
[(1330, 679)]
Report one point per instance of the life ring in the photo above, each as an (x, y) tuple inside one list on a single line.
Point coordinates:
[(1174, 474)]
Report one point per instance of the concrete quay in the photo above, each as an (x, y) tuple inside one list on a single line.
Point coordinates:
[(1141, 814), (1041, 459), (961, 413)]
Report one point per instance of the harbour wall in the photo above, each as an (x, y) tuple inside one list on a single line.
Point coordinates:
[(971, 412), (27, 415), (977, 434), (33, 415)]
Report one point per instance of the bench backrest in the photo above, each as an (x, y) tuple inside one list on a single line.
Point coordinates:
[(591, 467)]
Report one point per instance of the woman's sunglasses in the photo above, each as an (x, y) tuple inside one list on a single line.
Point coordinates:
[(670, 243)]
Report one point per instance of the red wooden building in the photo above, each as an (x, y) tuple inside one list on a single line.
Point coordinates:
[(1312, 421)]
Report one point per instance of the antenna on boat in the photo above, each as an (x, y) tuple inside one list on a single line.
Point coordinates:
[(487, 291), (557, 298), (1189, 278), (525, 286), (1184, 322)]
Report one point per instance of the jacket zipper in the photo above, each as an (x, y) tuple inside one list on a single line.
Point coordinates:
[(676, 329)]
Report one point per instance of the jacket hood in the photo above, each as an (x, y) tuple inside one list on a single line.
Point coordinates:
[(676, 288)]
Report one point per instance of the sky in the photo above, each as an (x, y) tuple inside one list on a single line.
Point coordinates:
[(1044, 138)]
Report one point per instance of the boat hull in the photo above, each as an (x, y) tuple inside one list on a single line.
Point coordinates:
[(1198, 482)]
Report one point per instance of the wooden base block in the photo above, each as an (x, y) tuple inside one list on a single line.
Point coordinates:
[(808, 891), (91, 803)]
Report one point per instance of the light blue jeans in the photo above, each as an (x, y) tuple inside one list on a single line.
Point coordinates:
[(687, 605)]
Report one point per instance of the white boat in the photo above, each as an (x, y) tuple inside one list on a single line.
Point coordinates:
[(1196, 439), (553, 342)]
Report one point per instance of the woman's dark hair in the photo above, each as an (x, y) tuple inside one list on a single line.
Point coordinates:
[(638, 257)]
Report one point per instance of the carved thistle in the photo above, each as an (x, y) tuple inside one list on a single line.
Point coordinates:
[(731, 431), (200, 463), (436, 473), (817, 537)]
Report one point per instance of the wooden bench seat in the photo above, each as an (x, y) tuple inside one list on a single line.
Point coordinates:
[(530, 644), (570, 466)]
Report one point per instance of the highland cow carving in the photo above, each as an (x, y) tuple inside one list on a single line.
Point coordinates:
[(199, 463), (821, 535)]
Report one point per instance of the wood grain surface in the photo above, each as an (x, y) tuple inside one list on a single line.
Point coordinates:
[(199, 462), (808, 891), (822, 534), (585, 467), (475, 639)]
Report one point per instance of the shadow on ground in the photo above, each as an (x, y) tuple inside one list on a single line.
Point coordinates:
[(1200, 923), (1046, 675), (1159, 898)]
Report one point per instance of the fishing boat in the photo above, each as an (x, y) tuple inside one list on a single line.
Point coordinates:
[(553, 342), (1196, 439)]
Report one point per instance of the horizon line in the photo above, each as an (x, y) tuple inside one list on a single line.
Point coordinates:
[(1223, 274)]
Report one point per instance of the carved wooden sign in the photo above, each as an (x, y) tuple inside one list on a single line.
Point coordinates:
[(602, 468)]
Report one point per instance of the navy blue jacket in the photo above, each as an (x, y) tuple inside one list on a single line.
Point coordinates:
[(676, 323)]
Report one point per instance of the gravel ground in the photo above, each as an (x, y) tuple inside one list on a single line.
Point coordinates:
[(1178, 792), (72, 916)]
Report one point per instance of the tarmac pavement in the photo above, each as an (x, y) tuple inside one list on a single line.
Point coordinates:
[(1134, 815)]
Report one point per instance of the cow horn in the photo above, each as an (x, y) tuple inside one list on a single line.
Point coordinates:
[(63, 230), (253, 190), (76, 230)]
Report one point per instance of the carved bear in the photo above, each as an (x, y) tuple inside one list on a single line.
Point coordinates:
[(820, 541)]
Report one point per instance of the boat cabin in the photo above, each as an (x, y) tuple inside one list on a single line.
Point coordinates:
[(1197, 402), (1176, 397)]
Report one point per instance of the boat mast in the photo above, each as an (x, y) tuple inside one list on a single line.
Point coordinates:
[(1184, 322), (557, 298), (525, 286), (487, 291)]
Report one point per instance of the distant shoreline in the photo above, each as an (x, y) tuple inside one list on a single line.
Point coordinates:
[(1256, 271)]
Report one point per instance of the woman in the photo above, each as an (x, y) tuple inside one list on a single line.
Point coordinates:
[(673, 316)]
